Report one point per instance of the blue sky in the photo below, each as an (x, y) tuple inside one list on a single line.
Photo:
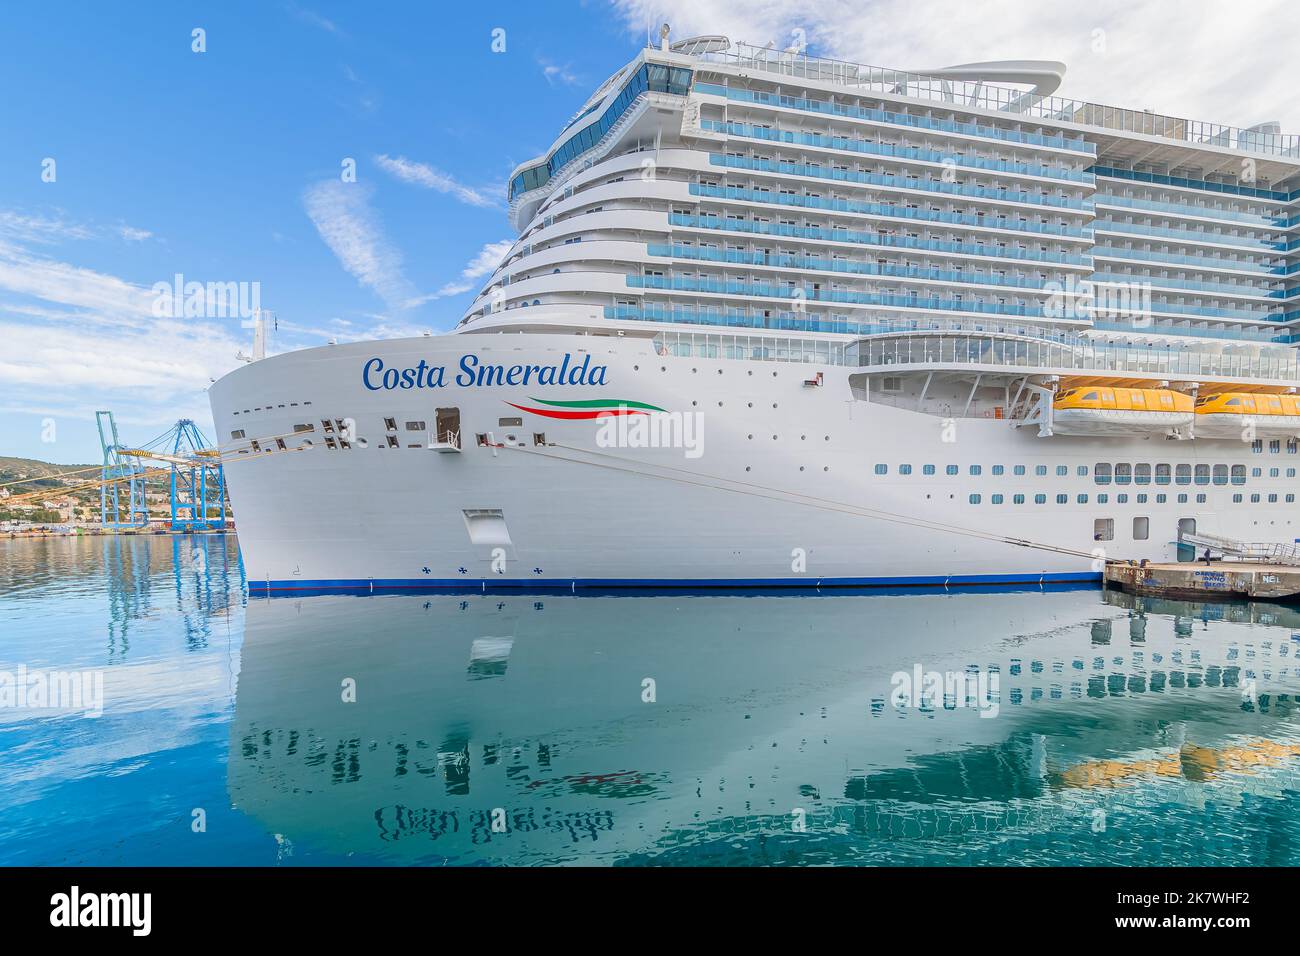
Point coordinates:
[(225, 165)]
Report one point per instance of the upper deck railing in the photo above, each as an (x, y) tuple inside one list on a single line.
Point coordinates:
[(1006, 99)]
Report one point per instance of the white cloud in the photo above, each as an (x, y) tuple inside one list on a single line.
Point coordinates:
[(131, 234), (556, 74), (422, 174), (315, 19), (487, 259), (1198, 59), (77, 340), (342, 215)]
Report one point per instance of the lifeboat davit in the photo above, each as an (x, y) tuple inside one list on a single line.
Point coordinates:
[(1102, 410), (1246, 416)]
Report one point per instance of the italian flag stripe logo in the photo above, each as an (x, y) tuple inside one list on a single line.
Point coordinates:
[(587, 409)]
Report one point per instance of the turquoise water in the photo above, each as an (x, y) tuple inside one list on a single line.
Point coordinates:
[(632, 730)]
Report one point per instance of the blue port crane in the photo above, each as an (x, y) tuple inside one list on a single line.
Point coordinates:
[(198, 483), (121, 490)]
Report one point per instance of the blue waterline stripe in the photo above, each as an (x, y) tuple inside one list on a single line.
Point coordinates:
[(353, 585)]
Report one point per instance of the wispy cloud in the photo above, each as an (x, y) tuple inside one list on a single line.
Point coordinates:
[(131, 234), (487, 259), (342, 215), (422, 174), (315, 19), (558, 75)]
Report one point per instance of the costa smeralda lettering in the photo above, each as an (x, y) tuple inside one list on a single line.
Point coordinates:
[(471, 373)]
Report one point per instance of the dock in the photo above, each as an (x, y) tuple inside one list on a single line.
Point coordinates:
[(1223, 580)]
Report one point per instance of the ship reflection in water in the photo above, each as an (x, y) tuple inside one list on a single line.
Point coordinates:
[(1023, 727), (760, 729)]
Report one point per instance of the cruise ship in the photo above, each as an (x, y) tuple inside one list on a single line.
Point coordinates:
[(773, 319)]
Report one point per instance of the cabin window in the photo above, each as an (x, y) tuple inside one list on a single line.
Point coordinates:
[(882, 469), (927, 469), (1103, 499), (1018, 499), (1081, 499), (904, 469), (1162, 474), (1019, 469), (1062, 499), (1183, 475), (1123, 473), (975, 469), (1236, 499), (951, 469), (1141, 529), (303, 428), (1040, 470), (998, 469), (390, 424), (1161, 499), (1220, 474), (974, 499), (1101, 473), (1202, 474), (1275, 446), (1062, 471), (1121, 499), (392, 441), (1082, 471), (1040, 499), (996, 499), (237, 433), (1142, 474), (1103, 529), (415, 426)]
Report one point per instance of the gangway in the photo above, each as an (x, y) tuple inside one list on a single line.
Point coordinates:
[(1265, 552)]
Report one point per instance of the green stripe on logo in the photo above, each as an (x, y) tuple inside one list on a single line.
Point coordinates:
[(599, 403)]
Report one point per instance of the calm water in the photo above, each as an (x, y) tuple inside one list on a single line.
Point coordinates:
[(635, 730)]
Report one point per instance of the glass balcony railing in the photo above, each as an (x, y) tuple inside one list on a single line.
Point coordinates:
[(1191, 235), (1060, 141), (843, 266), (1160, 282), (872, 239), (886, 345), (1186, 209), (1208, 263), (886, 210), (868, 148), (899, 182), (1083, 355), (808, 294), (1232, 189)]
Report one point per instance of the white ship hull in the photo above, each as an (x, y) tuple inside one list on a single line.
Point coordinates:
[(781, 488)]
